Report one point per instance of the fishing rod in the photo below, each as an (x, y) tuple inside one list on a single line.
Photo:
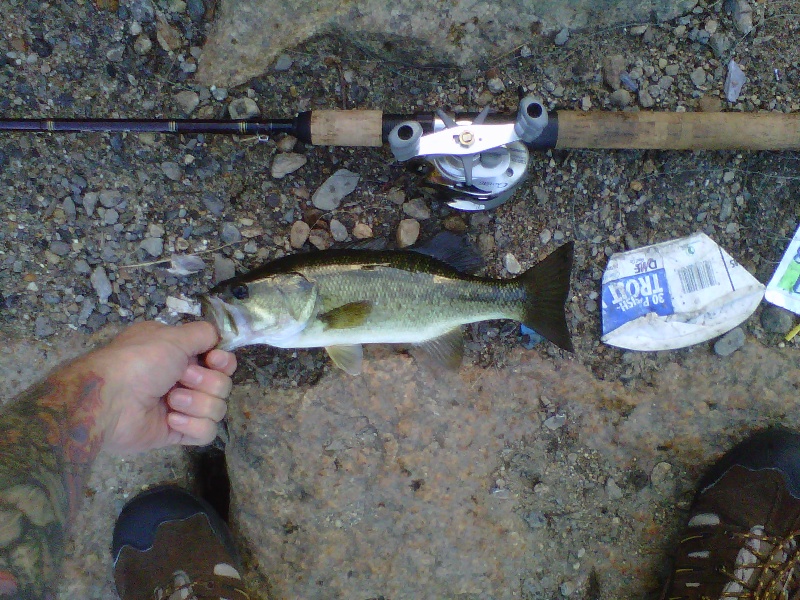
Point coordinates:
[(475, 161)]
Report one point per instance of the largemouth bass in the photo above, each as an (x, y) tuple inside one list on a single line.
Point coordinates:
[(341, 299)]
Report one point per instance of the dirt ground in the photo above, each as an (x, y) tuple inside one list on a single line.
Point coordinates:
[(531, 473)]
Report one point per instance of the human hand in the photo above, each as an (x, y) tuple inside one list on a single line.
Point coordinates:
[(162, 385)]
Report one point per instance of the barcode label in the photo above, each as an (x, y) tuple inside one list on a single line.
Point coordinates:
[(696, 277)]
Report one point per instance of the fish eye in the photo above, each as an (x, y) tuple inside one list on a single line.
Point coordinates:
[(240, 292)]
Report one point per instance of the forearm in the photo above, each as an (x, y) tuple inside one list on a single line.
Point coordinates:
[(49, 438)]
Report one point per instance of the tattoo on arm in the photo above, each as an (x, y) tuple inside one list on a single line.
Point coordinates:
[(49, 437)]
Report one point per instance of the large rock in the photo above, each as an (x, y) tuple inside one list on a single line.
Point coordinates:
[(249, 34)]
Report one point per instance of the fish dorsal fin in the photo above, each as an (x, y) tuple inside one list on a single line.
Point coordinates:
[(347, 316), (347, 358), (447, 349), (455, 250)]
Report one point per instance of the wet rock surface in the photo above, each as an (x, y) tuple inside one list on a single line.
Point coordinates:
[(523, 464), (250, 34)]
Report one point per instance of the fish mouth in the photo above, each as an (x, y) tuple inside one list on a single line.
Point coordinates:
[(218, 313)]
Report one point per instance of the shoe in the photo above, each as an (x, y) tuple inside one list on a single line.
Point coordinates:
[(169, 544), (743, 536)]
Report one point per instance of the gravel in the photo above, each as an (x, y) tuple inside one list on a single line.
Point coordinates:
[(331, 193), (730, 342), (99, 203), (775, 319), (284, 164)]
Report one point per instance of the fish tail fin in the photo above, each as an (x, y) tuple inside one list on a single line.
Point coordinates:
[(546, 288)]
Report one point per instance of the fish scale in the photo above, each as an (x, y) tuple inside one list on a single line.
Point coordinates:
[(409, 306), (341, 299)]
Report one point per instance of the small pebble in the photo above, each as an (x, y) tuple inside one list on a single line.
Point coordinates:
[(230, 234), (101, 284), (720, 44), (110, 198), (613, 490), (116, 54), (613, 66), (299, 234), (511, 264), (153, 246), (81, 267), (60, 248), (362, 231), (396, 196), (555, 422), (287, 163), (243, 108), (172, 170), (698, 76), (709, 104), (734, 82), (743, 16), (183, 306), (169, 38), (331, 193), (286, 143), (662, 478), (320, 239), (89, 202), (629, 83), (142, 45), (775, 319), (219, 94), (111, 217), (496, 85), (68, 206), (567, 589), (485, 243), (562, 37), (730, 342), (545, 236), (455, 223), (224, 268), (417, 209), (214, 204), (187, 101), (338, 230), (620, 98), (645, 99), (283, 62), (407, 232), (43, 327)]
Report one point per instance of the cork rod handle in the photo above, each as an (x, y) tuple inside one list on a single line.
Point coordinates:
[(346, 127), (679, 131)]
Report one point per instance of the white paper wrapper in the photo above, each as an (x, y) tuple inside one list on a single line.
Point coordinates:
[(675, 294), (784, 287)]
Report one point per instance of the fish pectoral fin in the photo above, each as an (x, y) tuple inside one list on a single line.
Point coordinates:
[(447, 349), (346, 316), (347, 358)]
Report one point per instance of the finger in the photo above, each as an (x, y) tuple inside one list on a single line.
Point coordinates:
[(194, 431), (207, 380), (197, 404), (194, 338), (222, 361)]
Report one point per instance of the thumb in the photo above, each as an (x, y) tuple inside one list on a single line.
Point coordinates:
[(194, 338)]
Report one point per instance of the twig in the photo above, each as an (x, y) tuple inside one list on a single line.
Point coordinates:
[(155, 262)]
